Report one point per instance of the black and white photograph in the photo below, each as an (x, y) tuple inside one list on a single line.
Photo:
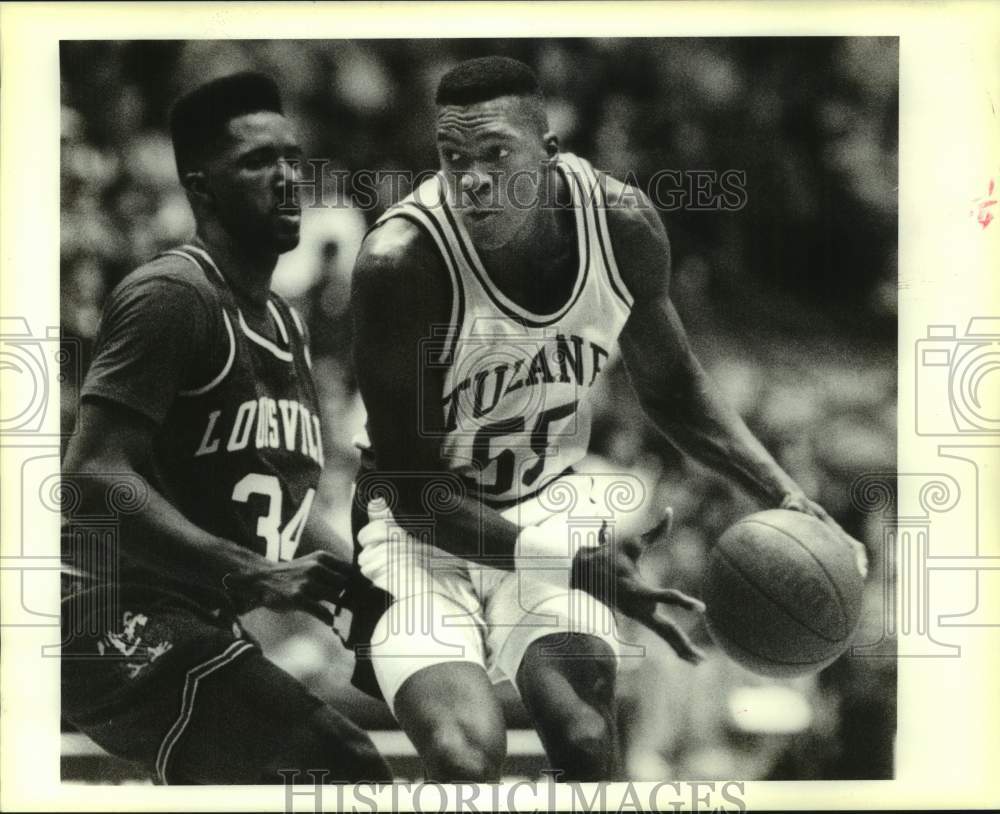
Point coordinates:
[(539, 370), (448, 420)]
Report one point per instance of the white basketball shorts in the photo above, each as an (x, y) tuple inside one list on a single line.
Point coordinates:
[(465, 612)]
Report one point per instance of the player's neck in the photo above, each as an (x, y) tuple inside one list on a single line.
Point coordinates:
[(248, 272), (543, 229)]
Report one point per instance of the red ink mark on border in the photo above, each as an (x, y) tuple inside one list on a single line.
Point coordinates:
[(984, 217)]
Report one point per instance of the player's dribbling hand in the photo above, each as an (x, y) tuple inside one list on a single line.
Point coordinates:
[(798, 502), (610, 573), (299, 584)]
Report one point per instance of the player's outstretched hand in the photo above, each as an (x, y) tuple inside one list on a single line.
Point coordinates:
[(300, 584), (610, 573), (798, 502)]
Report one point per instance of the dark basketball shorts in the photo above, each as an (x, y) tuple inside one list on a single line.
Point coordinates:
[(162, 671)]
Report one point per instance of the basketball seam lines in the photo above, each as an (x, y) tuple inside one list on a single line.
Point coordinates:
[(770, 598), (832, 581), (767, 656)]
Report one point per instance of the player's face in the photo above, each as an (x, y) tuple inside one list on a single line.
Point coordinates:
[(254, 180), (492, 154)]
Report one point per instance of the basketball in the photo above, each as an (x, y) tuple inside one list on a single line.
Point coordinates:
[(782, 593)]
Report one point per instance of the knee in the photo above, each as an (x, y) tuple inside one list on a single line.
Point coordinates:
[(342, 750), (588, 738), (455, 753), (583, 747), (366, 763)]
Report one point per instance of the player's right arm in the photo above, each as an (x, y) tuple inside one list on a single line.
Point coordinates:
[(153, 335), (399, 293)]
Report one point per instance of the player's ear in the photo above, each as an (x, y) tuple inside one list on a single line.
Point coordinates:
[(551, 144), (196, 184)]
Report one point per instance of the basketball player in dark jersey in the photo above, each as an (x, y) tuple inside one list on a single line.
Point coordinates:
[(484, 310), (199, 419)]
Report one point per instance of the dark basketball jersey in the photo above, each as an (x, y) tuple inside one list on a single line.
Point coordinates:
[(239, 453)]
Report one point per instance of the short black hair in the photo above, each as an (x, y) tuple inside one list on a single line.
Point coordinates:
[(199, 118), (485, 78)]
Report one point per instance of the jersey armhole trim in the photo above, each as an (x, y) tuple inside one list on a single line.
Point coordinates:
[(263, 341), (184, 252), (301, 328), (604, 238), (278, 320), (207, 258), (418, 215), (284, 356), (199, 391)]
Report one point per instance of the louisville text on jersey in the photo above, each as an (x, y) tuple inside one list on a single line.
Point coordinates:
[(266, 423)]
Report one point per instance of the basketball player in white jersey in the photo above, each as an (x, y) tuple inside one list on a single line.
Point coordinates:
[(486, 305)]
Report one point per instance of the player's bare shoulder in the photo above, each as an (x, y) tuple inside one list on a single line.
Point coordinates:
[(399, 265), (638, 238)]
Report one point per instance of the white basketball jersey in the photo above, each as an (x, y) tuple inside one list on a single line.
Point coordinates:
[(516, 399)]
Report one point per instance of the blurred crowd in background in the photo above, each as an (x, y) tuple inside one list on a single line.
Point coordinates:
[(790, 301)]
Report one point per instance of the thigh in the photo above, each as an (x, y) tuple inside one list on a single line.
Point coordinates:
[(524, 610), (194, 702), (569, 691), (561, 672), (451, 713), (429, 658), (125, 686), (251, 721), (426, 630)]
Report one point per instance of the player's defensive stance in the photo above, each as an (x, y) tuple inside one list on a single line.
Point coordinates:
[(486, 305), (199, 413)]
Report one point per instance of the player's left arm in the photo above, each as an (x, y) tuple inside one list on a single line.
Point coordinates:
[(320, 535), (676, 393)]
